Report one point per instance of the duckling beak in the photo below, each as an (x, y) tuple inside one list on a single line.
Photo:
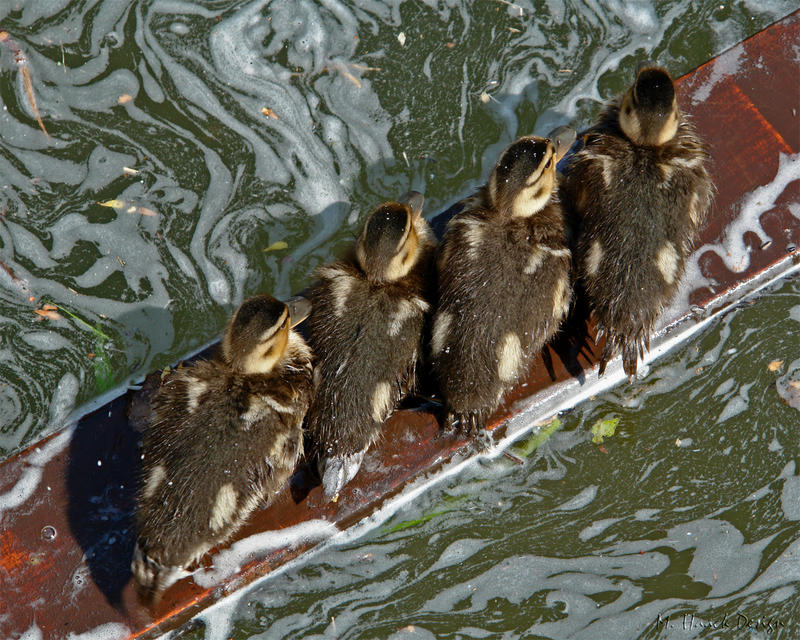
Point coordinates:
[(562, 138), (299, 309), (415, 201)]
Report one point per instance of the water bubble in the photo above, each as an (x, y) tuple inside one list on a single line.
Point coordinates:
[(49, 533)]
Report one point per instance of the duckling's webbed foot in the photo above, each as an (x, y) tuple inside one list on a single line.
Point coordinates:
[(609, 351), (630, 357), (631, 350), (337, 471), (471, 424)]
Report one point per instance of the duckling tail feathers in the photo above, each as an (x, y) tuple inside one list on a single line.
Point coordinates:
[(337, 471)]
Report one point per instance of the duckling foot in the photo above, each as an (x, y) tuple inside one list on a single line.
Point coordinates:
[(609, 350), (630, 359), (337, 471), (471, 424)]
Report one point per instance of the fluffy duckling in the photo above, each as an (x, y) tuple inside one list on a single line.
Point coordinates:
[(639, 190), (365, 329), (224, 436), (504, 283)]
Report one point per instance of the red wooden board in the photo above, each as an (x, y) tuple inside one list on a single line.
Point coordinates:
[(65, 525)]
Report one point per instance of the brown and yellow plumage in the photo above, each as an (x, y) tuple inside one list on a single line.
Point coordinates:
[(638, 192), (224, 436), (504, 283), (366, 327)]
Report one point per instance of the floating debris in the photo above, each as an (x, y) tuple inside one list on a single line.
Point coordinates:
[(22, 63), (515, 6), (92, 328), (401, 38), (362, 67), (121, 205), (277, 246), (604, 429), (775, 365), (788, 386), (513, 458), (344, 69), (529, 445), (269, 113), (351, 78), (10, 273), (48, 311)]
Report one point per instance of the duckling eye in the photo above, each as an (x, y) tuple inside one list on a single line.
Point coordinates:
[(628, 110), (549, 162)]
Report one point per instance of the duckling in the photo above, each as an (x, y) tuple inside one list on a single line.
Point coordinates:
[(504, 284), (224, 436), (639, 190), (365, 329)]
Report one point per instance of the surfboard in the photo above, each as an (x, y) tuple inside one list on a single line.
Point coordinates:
[(66, 535)]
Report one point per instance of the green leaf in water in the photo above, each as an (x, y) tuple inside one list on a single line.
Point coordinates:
[(277, 246), (407, 524), (527, 447), (91, 327), (103, 372), (604, 429)]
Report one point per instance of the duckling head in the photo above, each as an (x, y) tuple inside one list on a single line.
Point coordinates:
[(649, 112), (256, 337), (524, 178), (389, 246)]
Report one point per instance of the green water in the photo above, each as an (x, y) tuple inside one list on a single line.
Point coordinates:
[(690, 507)]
